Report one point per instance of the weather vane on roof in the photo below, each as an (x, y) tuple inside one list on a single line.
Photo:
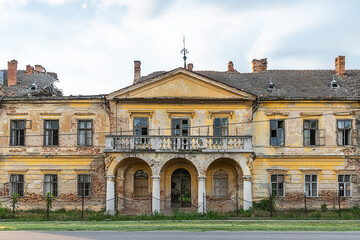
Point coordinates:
[(184, 51)]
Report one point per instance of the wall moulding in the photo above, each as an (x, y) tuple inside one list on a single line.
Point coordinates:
[(221, 114), (84, 114), (269, 114), (310, 114), (50, 114), (17, 114), (141, 113), (181, 113)]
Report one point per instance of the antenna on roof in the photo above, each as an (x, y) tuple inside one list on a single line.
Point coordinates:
[(184, 51)]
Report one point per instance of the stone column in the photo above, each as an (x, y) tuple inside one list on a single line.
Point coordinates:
[(156, 194), (202, 194), (247, 191), (110, 195)]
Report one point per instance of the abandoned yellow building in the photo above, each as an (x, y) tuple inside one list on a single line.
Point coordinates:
[(184, 139)]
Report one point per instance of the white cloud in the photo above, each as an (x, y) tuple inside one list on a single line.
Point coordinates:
[(84, 5), (94, 53), (54, 2)]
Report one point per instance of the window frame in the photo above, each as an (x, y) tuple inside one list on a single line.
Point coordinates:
[(277, 133), (141, 126), (135, 187), (222, 127), (16, 130), (52, 136), (84, 186), (181, 126), (52, 183), (277, 185), (309, 129), (343, 130), (227, 184), (338, 185), (22, 189), (86, 132), (311, 182)]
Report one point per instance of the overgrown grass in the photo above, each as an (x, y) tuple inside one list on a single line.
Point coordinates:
[(259, 211), (197, 226)]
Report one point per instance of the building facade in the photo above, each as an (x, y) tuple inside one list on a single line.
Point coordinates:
[(184, 139)]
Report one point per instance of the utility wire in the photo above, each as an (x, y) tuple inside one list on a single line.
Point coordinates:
[(189, 127)]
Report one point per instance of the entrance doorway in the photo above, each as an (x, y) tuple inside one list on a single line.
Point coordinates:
[(180, 188)]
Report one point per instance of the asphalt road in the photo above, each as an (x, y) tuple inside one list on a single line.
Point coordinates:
[(112, 235)]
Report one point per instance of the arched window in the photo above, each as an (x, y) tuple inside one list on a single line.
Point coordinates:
[(220, 183), (141, 184)]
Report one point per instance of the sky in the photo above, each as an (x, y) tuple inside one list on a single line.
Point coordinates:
[(92, 44)]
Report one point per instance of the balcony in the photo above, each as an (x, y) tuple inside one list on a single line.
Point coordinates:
[(116, 143)]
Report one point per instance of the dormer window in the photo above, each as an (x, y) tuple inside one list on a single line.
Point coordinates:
[(334, 84), (271, 86), (33, 87)]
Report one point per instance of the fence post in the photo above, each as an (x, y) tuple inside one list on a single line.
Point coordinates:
[(13, 209), (117, 205), (203, 204), (151, 201), (47, 209), (305, 204), (339, 205), (237, 204), (271, 206), (82, 204)]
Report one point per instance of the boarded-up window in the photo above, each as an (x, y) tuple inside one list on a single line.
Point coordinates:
[(141, 184), (220, 183)]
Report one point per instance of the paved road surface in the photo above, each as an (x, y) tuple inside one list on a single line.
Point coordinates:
[(111, 235)]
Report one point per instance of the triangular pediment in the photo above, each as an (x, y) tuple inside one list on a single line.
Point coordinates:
[(181, 83)]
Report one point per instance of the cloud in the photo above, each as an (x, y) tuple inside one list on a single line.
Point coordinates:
[(55, 2), (93, 50)]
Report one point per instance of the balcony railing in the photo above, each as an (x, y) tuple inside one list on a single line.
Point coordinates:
[(123, 143)]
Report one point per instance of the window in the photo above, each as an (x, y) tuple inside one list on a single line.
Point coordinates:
[(51, 132), (50, 184), (277, 185), (17, 132), (84, 185), (17, 184), (141, 184), (85, 132), (180, 126), (220, 183), (344, 132), (344, 188), (221, 126), (311, 185), (277, 132), (310, 132), (141, 126)]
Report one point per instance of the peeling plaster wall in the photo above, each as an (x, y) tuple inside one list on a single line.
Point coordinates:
[(66, 160)]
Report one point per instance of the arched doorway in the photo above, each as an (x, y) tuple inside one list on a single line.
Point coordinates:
[(180, 188)]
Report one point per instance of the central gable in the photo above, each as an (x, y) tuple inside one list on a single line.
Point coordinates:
[(181, 84)]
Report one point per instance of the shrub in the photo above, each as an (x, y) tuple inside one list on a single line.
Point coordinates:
[(324, 207), (264, 205)]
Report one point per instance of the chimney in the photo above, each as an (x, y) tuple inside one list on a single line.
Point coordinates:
[(259, 65), (137, 69), (12, 73), (231, 67), (190, 67), (340, 66), (39, 68), (29, 69)]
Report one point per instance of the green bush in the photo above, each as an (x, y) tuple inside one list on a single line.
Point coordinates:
[(324, 207), (264, 205)]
